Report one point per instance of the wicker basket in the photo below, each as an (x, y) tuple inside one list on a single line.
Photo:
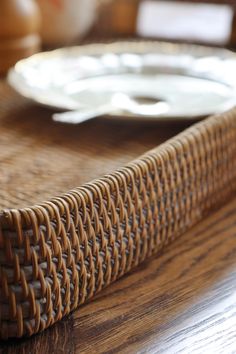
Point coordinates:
[(56, 255)]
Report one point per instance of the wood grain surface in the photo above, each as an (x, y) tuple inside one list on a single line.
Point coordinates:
[(181, 301)]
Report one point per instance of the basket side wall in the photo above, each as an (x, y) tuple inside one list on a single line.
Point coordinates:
[(57, 255)]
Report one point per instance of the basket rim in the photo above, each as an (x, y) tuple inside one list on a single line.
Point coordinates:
[(94, 187)]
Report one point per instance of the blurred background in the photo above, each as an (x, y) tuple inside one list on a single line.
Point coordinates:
[(210, 22), (28, 26), (199, 21)]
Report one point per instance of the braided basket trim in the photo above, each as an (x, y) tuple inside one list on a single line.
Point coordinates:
[(57, 255)]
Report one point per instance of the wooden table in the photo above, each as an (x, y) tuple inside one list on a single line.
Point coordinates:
[(181, 301)]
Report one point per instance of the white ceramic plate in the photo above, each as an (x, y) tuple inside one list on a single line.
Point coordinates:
[(193, 81)]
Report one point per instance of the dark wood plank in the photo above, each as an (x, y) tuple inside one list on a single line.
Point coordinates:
[(179, 302)]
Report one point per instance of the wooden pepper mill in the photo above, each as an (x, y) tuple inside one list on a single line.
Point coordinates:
[(19, 28)]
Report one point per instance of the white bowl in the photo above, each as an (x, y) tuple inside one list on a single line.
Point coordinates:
[(64, 21)]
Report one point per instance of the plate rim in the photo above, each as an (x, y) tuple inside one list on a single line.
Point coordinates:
[(17, 82)]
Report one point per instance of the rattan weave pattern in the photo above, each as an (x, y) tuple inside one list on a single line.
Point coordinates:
[(58, 254)]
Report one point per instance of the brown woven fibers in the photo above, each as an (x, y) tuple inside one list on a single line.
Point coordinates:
[(56, 255)]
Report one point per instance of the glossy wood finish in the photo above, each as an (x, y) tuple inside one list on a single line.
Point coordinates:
[(181, 301)]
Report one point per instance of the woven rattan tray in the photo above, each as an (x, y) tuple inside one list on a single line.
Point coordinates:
[(58, 254)]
